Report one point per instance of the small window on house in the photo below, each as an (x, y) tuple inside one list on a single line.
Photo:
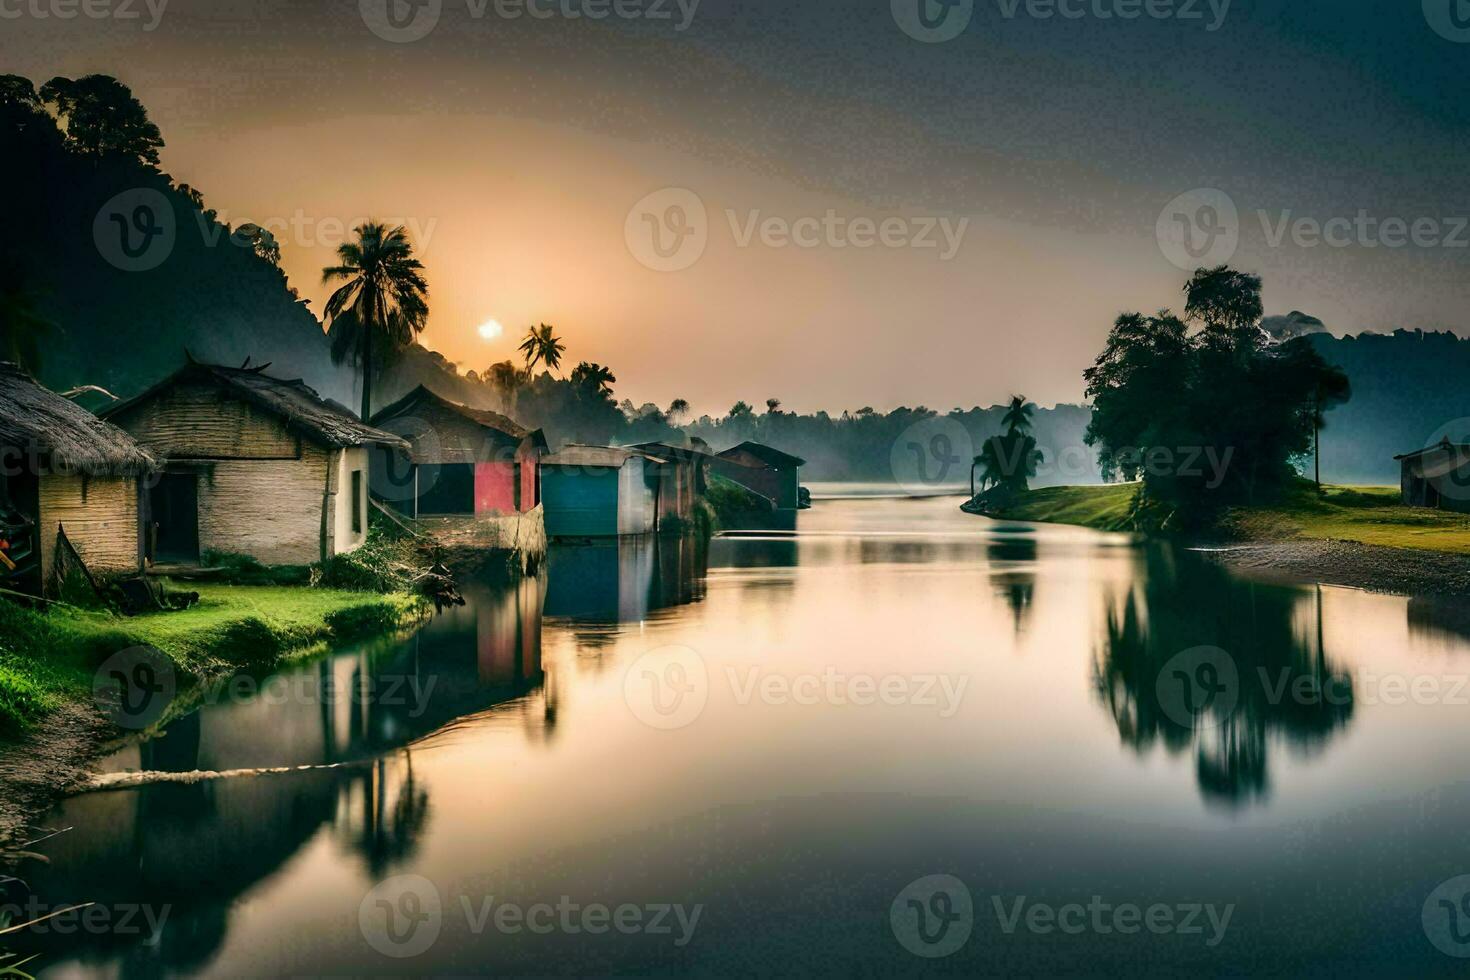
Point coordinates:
[(515, 481), (359, 502)]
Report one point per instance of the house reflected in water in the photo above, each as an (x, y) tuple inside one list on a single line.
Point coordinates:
[(197, 843)]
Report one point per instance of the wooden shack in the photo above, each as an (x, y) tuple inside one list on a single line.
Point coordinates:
[(1437, 477), (64, 468), (683, 478), (462, 461), (763, 470), (253, 465), (599, 492)]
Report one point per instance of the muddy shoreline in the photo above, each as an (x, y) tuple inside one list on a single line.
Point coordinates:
[(51, 761), (1430, 575)]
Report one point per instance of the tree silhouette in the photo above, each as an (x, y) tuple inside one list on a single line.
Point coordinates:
[(593, 380), (383, 305), (542, 344), (103, 119)]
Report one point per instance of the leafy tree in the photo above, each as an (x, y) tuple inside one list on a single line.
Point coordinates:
[(1209, 418), (542, 344), (383, 305), (593, 380), (103, 118), (678, 409)]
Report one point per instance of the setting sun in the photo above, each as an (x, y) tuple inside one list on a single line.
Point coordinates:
[(491, 330)]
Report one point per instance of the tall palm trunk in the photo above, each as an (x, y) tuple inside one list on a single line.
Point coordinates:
[(367, 374)]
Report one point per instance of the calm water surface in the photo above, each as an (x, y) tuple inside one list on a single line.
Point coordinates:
[(779, 735)]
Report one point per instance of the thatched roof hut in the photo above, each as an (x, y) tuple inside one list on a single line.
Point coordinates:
[(56, 435)]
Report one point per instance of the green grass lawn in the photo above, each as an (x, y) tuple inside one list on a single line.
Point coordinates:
[(1369, 515), (1103, 508), (47, 656)]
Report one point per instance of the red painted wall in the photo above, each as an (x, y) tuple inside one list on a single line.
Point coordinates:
[(530, 480), (495, 488)]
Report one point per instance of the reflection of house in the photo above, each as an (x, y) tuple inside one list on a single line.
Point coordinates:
[(1437, 477), (463, 460), (682, 478), (600, 492), (254, 465), (66, 468), (761, 469), (624, 580)]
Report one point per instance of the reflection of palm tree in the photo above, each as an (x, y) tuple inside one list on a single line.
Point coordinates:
[(1014, 559), (1187, 603), (382, 305)]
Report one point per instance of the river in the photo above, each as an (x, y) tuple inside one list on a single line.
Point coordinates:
[(901, 739)]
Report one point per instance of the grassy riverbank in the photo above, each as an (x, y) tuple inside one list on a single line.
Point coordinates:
[(1364, 515), (47, 658)]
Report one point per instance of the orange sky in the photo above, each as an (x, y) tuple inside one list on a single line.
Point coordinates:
[(514, 152)]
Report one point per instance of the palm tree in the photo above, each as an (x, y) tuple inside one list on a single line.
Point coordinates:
[(542, 344), (678, 408), (593, 380), (507, 380), (1018, 415), (383, 305)]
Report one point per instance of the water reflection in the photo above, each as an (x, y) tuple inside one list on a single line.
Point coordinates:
[(196, 846), (1012, 554), (623, 580), (1285, 684), (513, 759)]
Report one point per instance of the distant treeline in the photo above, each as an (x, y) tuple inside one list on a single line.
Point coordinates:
[(1410, 389), (112, 270)]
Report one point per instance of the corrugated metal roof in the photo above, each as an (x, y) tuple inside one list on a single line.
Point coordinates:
[(596, 456)]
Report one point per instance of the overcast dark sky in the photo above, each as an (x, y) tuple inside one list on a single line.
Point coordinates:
[(519, 149)]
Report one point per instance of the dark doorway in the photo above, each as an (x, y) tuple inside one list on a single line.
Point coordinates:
[(446, 490), (173, 507)]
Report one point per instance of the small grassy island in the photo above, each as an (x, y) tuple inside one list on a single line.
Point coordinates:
[(1364, 515)]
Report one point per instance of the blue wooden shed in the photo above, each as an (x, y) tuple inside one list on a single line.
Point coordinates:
[(600, 492)]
